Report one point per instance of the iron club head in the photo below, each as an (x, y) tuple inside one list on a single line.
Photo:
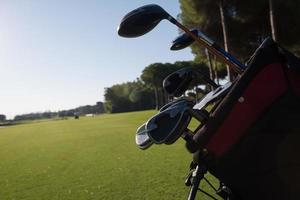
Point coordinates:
[(142, 139)]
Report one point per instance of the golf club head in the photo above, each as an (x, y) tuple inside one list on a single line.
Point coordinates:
[(141, 20), (167, 126), (183, 41), (178, 82), (177, 102), (142, 139)]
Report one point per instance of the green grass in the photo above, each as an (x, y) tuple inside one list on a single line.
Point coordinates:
[(89, 158)]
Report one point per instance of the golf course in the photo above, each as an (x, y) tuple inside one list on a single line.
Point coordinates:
[(89, 158)]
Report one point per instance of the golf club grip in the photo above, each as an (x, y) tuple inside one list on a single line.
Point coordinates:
[(214, 51)]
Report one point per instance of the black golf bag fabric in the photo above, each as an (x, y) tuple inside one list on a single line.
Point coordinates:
[(253, 136)]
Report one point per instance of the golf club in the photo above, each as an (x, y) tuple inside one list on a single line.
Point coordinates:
[(178, 82), (167, 126), (143, 19), (142, 139), (177, 102), (184, 40)]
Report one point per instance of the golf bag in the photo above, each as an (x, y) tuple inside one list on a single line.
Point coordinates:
[(253, 135)]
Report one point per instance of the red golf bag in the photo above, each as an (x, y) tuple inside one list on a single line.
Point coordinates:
[(253, 135)]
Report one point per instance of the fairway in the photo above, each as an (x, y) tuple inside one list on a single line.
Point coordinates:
[(89, 158)]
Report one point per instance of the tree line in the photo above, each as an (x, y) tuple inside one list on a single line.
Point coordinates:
[(2, 118), (147, 91), (82, 110)]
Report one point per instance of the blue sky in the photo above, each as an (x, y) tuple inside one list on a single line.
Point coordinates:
[(61, 54)]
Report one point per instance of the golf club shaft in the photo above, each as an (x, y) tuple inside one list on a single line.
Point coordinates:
[(229, 56), (221, 50), (220, 54)]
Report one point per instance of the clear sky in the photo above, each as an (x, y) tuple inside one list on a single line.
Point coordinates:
[(60, 54)]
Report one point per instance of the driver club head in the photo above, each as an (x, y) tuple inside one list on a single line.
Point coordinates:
[(183, 41), (178, 82), (142, 139), (141, 20)]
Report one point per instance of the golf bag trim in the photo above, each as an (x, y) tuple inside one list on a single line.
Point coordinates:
[(268, 78)]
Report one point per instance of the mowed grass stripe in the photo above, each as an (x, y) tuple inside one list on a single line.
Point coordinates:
[(89, 158)]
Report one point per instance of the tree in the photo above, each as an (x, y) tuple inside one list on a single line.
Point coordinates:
[(230, 73), (154, 74), (99, 107), (204, 15), (249, 22), (128, 96), (2, 118), (210, 66), (116, 99)]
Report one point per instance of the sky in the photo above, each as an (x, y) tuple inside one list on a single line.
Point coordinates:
[(61, 54)]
